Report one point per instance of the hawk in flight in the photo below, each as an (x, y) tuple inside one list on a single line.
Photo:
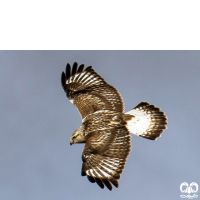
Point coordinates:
[(105, 128)]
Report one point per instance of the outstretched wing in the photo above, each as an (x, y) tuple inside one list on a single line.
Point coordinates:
[(104, 156), (88, 91)]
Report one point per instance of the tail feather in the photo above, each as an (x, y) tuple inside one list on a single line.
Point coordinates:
[(147, 121)]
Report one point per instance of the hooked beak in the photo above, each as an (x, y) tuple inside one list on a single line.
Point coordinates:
[(71, 142)]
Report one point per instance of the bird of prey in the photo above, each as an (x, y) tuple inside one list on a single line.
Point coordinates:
[(105, 128)]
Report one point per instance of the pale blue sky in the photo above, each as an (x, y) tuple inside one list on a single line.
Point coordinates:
[(37, 120)]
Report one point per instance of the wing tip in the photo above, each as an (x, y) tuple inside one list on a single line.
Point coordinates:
[(100, 182), (74, 68), (63, 79), (70, 71)]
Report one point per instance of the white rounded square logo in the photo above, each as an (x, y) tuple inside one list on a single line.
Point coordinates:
[(189, 190)]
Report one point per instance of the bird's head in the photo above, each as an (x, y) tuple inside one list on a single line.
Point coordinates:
[(77, 136)]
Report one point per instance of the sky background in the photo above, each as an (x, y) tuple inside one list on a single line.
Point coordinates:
[(37, 121)]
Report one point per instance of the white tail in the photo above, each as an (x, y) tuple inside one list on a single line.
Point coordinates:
[(147, 121)]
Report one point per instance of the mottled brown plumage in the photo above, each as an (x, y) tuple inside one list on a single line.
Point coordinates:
[(105, 128)]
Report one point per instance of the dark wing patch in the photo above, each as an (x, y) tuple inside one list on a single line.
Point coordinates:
[(88, 91), (74, 68), (68, 71), (80, 69), (104, 163)]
